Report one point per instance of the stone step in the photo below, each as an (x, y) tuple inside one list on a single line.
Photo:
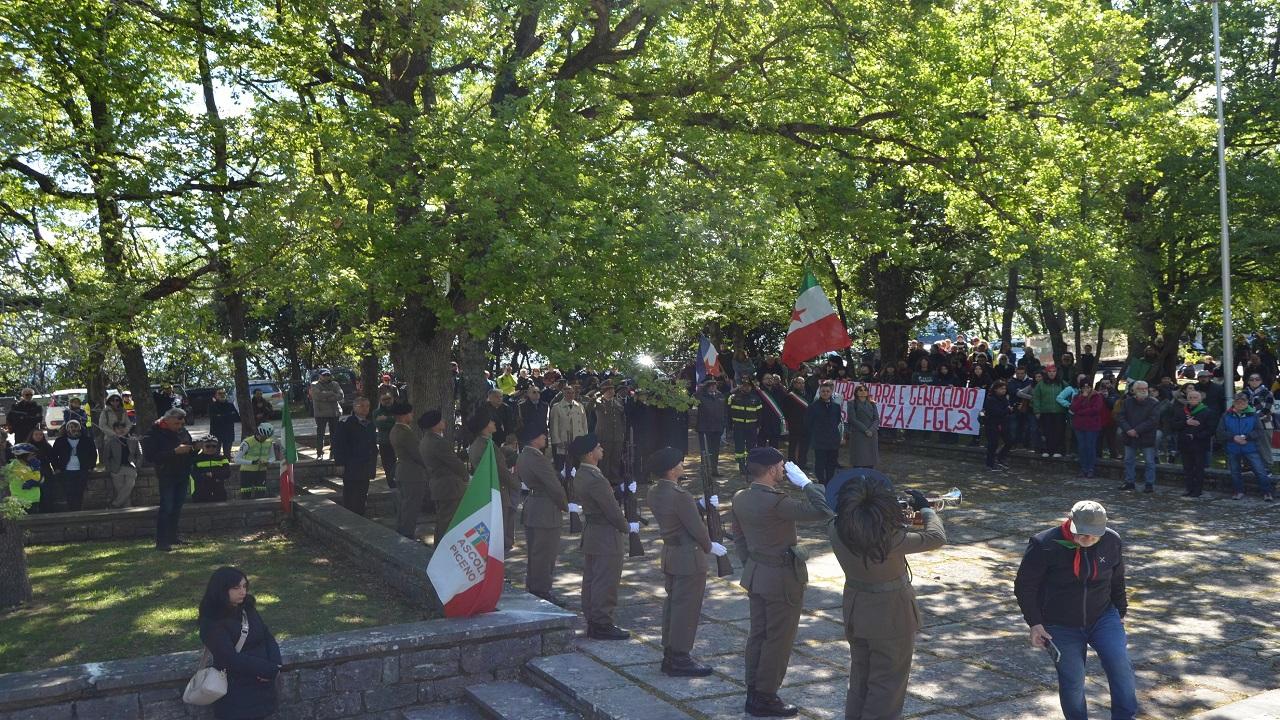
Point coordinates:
[(1259, 707), (517, 701), (447, 711), (596, 691)]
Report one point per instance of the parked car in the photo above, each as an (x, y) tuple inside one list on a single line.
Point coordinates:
[(198, 400), (271, 392), (59, 401), (6, 404)]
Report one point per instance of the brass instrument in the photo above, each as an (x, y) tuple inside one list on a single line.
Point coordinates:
[(951, 499)]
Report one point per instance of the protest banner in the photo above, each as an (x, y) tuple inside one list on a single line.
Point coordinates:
[(932, 408)]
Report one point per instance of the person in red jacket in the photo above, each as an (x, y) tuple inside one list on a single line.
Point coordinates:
[(1088, 416)]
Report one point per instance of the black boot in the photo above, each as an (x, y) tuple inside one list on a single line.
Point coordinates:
[(681, 665), (607, 632), (768, 705)]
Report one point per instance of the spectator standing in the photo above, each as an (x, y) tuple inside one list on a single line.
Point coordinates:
[(25, 415), (568, 422), (50, 491), (1138, 419), (112, 412), (1018, 424), (120, 455), (502, 415), (386, 387), (1050, 415), (165, 399), (824, 432), (744, 417), (997, 409), (238, 640), (864, 430), (506, 382), (1110, 437), (743, 368), (795, 407), (383, 421), (1070, 588), (1260, 398), (713, 414), (223, 417), (531, 411), (262, 410), (1240, 430), (355, 448), (1088, 363), (167, 446), (74, 454), (772, 417), (1194, 424), (256, 454), (1088, 415), (326, 407), (75, 411)]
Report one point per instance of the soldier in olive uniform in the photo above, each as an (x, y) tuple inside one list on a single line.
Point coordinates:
[(685, 543), (482, 426), (412, 473), (611, 428), (774, 572), (446, 473), (603, 538), (542, 511)]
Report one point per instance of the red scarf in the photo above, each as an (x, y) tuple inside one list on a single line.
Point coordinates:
[(1069, 540)]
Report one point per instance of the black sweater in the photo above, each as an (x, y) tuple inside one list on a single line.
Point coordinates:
[(1049, 591)]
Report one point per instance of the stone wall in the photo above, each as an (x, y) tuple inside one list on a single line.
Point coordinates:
[(365, 674), (140, 522), (98, 492)]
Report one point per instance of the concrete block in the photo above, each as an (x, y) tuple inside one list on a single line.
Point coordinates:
[(386, 698), (508, 652), (112, 707), (358, 675)]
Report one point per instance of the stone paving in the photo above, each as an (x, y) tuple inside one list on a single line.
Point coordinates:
[(1202, 576)]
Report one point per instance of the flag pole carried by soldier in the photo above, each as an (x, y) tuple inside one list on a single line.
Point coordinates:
[(685, 543), (709, 504), (601, 541), (630, 506), (774, 572)]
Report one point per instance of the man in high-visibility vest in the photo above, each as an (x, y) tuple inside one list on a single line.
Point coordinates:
[(255, 454)]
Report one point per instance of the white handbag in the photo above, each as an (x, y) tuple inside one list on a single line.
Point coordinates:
[(209, 684)]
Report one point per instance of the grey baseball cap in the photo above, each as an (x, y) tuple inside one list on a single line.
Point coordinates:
[(1088, 518)]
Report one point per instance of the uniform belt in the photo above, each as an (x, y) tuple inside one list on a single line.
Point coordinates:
[(880, 587), (782, 559)]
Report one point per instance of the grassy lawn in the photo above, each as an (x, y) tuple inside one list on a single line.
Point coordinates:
[(97, 601)]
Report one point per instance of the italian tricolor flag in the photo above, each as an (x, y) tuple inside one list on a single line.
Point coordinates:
[(290, 458), (815, 327), (466, 568)]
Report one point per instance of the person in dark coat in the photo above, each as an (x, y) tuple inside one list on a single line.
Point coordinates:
[(713, 414), (25, 415), (355, 448), (1194, 424), (824, 432), (74, 456), (50, 490), (996, 411), (167, 446), (240, 643), (223, 417), (795, 406)]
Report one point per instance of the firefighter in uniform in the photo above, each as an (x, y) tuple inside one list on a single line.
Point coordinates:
[(685, 543), (774, 572), (542, 511), (603, 535), (744, 419)]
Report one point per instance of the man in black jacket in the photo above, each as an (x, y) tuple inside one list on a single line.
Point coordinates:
[(1070, 587), (25, 415), (355, 448), (167, 446)]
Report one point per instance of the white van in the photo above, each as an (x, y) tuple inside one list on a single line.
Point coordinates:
[(59, 401)]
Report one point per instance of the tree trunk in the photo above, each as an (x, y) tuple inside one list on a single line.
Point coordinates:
[(1075, 326), (425, 348), (1102, 336), (1010, 306), (891, 291), (239, 360), (135, 368), (15, 582), (472, 362)]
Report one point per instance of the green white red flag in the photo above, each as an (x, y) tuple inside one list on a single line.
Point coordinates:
[(290, 457), (466, 567), (815, 326)]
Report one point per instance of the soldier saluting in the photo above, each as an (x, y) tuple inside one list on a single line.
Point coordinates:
[(774, 572), (602, 540)]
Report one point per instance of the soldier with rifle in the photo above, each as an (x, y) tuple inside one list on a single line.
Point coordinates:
[(627, 493), (685, 543), (709, 505)]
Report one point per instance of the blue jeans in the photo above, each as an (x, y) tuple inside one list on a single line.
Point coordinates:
[(1108, 640), (1235, 461), (1131, 464), (1087, 448), (173, 493), (1032, 431)]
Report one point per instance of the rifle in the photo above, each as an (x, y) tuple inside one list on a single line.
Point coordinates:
[(715, 527), (629, 505), (566, 480)]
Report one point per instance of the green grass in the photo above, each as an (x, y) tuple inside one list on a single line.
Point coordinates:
[(98, 601)]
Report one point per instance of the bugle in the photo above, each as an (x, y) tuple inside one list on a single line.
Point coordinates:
[(951, 499)]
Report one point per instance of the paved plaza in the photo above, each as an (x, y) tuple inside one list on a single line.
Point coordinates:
[(1202, 580)]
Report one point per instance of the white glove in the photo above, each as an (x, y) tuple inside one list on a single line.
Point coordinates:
[(718, 550), (632, 487), (573, 472), (633, 527), (523, 486), (796, 475), (575, 508), (715, 502)]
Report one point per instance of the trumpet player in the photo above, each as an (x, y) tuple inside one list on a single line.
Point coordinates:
[(881, 617)]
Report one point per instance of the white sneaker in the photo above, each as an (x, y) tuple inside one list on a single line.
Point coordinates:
[(1057, 454), (1044, 454)]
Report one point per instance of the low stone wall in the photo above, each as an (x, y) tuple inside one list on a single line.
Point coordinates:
[(140, 522), (365, 673), (401, 562), (98, 491)]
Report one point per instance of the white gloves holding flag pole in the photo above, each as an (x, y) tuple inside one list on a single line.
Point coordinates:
[(715, 502), (575, 508), (796, 475), (718, 550), (623, 487), (633, 527)]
